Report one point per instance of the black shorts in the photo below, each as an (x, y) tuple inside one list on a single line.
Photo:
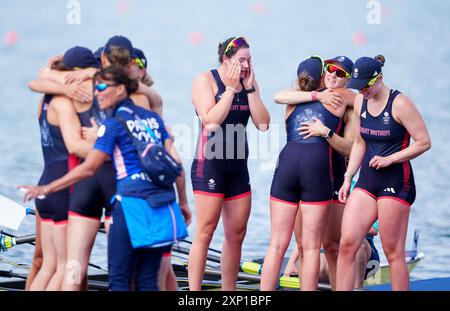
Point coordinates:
[(91, 195), (304, 174), (228, 179), (55, 206), (394, 182)]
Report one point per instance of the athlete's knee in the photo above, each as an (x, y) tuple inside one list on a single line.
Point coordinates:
[(347, 247), (235, 236), (393, 253), (205, 233), (331, 247)]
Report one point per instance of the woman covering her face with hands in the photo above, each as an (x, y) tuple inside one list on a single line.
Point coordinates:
[(224, 100)]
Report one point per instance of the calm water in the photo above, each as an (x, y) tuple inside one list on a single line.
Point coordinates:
[(180, 39)]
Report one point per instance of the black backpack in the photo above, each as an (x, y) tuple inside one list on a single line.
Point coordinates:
[(156, 162)]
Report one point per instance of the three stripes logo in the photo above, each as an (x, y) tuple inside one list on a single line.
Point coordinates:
[(391, 190)]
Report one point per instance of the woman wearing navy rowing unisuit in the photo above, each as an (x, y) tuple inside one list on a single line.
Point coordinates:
[(336, 75), (60, 136), (385, 120), (302, 183), (224, 100), (132, 243)]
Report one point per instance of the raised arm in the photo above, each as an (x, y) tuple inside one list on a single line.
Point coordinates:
[(405, 112), (70, 127), (295, 97), (258, 111), (260, 114), (213, 114), (57, 83)]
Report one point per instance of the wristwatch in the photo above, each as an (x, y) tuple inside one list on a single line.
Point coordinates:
[(330, 134), (251, 90)]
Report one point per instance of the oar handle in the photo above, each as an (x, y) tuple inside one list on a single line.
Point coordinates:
[(26, 239), (10, 274)]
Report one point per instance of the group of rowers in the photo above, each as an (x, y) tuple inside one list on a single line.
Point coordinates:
[(92, 167)]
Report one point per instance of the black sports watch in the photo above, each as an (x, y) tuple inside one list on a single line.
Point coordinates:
[(330, 134), (251, 90)]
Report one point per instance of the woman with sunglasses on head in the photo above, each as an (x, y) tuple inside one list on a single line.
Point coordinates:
[(385, 120), (336, 74), (224, 100), (60, 137), (302, 183), (113, 87)]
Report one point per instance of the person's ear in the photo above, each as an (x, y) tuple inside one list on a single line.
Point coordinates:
[(121, 89)]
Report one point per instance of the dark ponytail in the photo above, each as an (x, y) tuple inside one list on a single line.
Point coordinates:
[(117, 75), (381, 59), (306, 83)]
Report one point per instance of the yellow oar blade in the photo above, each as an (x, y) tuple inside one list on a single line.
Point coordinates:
[(289, 282), (251, 267)]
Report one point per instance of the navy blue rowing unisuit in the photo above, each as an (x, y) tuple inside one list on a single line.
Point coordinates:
[(92, 194), (383, 137), (54, 207), (220, 164), (304, 169)]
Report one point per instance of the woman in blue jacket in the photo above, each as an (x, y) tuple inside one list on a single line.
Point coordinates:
[(126, 253)]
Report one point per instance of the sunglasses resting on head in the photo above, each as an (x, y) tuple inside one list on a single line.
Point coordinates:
[(236, 42)]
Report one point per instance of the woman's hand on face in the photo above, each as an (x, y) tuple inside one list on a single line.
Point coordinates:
[(233, 75), (330, 98), (249, 80), (313, 128), (378, 162)]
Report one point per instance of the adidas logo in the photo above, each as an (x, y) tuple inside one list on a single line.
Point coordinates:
[(375, 73), (391, 190), (363, 115)]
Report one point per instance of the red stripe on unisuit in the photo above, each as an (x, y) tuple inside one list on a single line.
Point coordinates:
[(365, 191), (395, 199), (406, 166), (246, 194), (82, 216), (201, 150), (283, 201), (209, 194), (317, 203)]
